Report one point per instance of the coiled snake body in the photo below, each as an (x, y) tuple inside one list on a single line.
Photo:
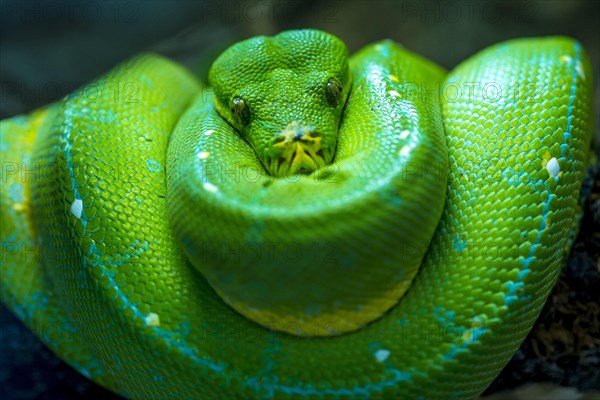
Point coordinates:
[(316, 226)]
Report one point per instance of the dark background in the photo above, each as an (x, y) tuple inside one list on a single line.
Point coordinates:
[(47, 49)]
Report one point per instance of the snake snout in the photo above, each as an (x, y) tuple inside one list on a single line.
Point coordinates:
[(296, 149)]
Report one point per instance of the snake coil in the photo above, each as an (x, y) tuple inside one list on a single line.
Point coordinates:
[(315, 226)]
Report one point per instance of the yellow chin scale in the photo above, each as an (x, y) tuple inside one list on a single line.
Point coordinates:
[(301, 150)]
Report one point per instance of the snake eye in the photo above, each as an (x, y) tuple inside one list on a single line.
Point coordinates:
[(240, 111), (333, 92)]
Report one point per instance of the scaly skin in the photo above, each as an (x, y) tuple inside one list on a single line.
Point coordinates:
[(119, 205)]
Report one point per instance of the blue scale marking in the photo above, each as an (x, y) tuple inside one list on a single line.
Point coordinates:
[(67, 154), (567, 134), (473, 337), (511, 297), (168, 336)]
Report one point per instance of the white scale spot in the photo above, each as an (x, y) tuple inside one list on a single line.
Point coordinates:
[(203, 155), (381, 355), (579, 69), (209, 132), (77, 208), (394, 93), (553, 168), (565, 59), (405, 151), (404, 134), (152, 319), (210, 187)]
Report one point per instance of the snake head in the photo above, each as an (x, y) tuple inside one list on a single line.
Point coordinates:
[(285, 96)]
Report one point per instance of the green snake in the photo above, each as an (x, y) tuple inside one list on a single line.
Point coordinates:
[(309, 225)]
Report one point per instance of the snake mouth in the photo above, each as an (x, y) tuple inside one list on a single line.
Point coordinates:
[(299, 151)]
